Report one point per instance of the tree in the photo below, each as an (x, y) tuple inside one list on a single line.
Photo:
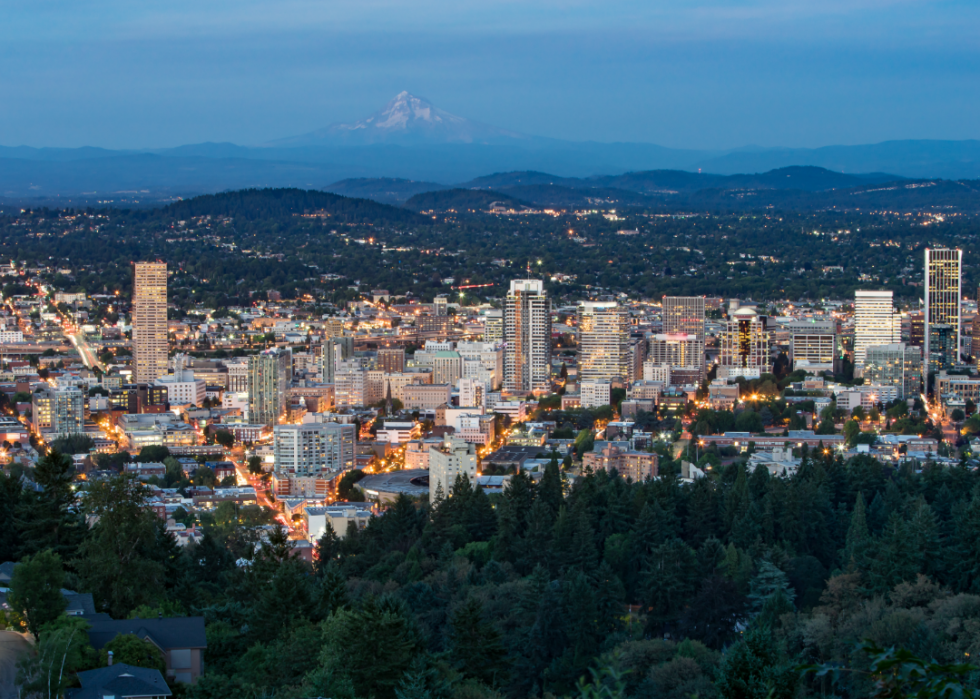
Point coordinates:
[(476, 646), (121, 561), (133, 650), (254, 465), (49, 517), (224, 438), (35, 589), (62, 651), (345, 489), (751, 670)]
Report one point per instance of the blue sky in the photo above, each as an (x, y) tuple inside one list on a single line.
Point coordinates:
[(694, 74)]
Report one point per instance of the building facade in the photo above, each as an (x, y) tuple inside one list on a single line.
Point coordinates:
[(744, 345), (898, 365), (150, 341), (527, 334), (943, 291), (603, 341), (269, 374), (684, 315), (875, 324), (454, 457), (313, 448), (58, 411)]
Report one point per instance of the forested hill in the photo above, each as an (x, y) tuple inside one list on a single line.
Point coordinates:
[(257, 204), (460, 200)]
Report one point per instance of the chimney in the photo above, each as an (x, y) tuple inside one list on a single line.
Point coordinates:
[(110, 658)]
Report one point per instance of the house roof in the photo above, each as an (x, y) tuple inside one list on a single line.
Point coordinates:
[(166, 633), (120, 680)]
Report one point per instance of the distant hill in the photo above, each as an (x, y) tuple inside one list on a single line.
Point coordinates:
[(253, 204), (461, 200), (389, 190)]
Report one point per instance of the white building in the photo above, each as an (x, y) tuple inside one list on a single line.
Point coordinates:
[(595, 394), (313, 448), (338, 517), (11, 336), (875, 323), (527, 333), (182, 387), (446, 461), (603, 340), (472, 393), (394, 432)]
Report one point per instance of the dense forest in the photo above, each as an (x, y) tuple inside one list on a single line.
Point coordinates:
[(227, 248), (720, 588)]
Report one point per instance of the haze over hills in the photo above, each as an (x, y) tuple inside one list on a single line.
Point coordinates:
[(411, 140)]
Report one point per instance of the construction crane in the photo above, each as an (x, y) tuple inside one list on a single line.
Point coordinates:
[(470, 286)]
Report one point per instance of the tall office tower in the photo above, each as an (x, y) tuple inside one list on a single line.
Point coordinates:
[(636, 356), (684, 315), (603, 341), (942, 348), (335, 350), (898, 365), (440, 305), (681, 352), (975, 340), (875, 323), (447, 367), (744, 345), (313, 448), (59, 411), (813, 345), (943, 279), (391, 360), (527, 332), (269, 374), (493, 326), (917, 328), (333, 327), (150, 345), (237, 374)]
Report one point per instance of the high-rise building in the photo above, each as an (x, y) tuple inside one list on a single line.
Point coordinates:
[(636, 356), (335, 351), (452, 458), (813, 345), (875, 323), (917, 329), (493, 326), (313, 448), (59, 411), (898, 365), (943, 279), (681, 352), (269, 374), (391, 360), (684, 315), (744, 345), (942, 348), (150, 344), (603, 341), (447, 367), (527, 333)]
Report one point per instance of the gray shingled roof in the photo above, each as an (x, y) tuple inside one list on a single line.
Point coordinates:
[(120, 680), (166, 633)]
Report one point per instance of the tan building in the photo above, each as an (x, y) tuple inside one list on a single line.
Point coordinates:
[(635, 465), (425, 396), (150, 343)]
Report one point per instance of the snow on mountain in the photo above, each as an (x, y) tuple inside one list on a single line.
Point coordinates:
[(406, 119)]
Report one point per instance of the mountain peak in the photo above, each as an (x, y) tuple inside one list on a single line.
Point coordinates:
[(409, 120)]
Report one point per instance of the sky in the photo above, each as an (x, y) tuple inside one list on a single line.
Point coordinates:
[(705, 74)]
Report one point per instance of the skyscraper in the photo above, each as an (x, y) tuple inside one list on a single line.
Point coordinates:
[(684, 315), (603, 341), (150, 345), (875, 324), (269, 374), (527, 334), (943, 277), (313, 448), (744, 345)]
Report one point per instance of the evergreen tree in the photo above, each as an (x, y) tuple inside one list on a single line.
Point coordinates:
[(476, 647), (768, 582), (35, 590), (48, 519), (857, 546), (752, 670)]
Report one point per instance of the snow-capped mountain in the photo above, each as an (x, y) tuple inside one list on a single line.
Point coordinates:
[(406, 119)]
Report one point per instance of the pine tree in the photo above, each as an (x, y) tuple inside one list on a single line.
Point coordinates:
[(769, 581), (857, 545), (48, 519), (476, 646)]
